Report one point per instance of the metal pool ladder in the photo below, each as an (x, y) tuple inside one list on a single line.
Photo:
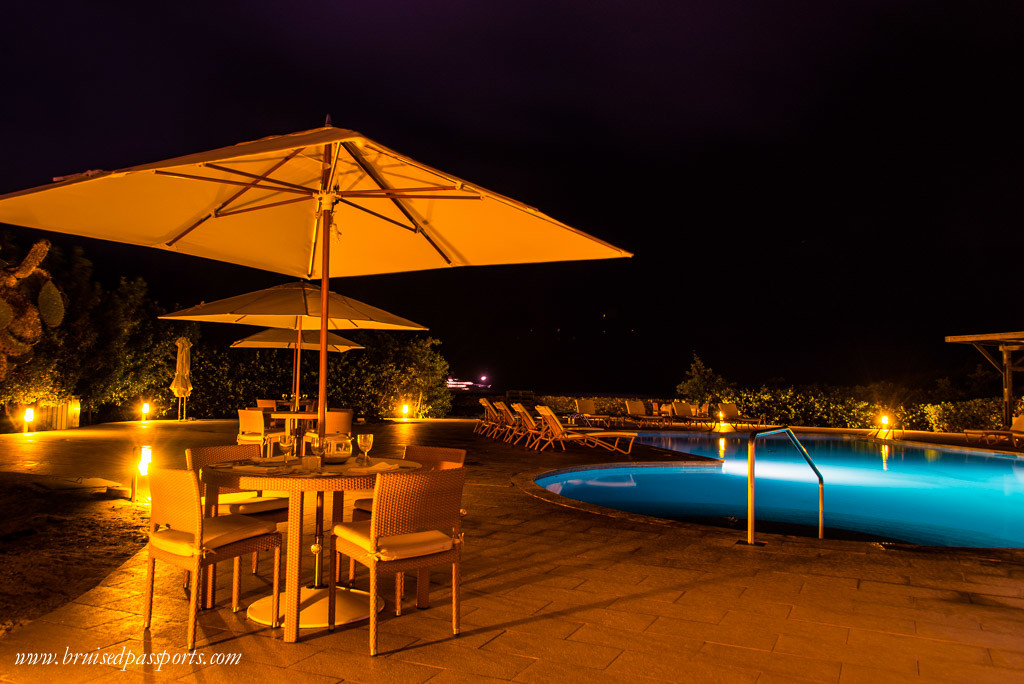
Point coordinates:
[(750, 480)]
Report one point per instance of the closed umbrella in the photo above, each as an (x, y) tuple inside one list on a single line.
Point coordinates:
[(181, 385)]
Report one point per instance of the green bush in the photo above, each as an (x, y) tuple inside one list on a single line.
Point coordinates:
[(833, 407), (973, 414)]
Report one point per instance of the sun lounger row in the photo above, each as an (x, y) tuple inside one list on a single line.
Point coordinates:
[(1014, 436), (516, 424), (678, 412)]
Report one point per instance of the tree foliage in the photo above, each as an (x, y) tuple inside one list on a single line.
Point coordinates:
[(703, 385), (110, 350)]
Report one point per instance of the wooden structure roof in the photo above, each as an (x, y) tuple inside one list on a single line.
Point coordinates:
[(1007, 343)]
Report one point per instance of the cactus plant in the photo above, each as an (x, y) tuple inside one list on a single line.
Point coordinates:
[(21, 320)]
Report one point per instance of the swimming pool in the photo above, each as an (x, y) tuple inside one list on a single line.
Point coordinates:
[(902, 492)]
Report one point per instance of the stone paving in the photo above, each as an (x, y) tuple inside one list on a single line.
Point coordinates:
[(554, 593)]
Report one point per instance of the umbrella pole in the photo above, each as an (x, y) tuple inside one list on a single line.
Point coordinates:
[(326, 214), (296, 369)]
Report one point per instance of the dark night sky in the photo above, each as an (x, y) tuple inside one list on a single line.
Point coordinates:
[(815, 191)]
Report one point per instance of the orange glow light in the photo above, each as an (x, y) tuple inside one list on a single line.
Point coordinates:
[(145, 458)]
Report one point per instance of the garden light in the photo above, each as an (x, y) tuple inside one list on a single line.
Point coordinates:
[(405, 409), (142, 470), (145, 458), (885, 421), (30, 416), (145, 411)]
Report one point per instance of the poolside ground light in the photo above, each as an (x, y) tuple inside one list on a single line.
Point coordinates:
[(30, 416), (145, 411), (141, 470)]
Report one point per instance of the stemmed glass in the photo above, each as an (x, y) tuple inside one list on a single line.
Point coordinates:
[(365, 442), (288, 444), (318, 447)]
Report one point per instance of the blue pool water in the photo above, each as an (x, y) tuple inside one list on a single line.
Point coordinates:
[(923, 495)]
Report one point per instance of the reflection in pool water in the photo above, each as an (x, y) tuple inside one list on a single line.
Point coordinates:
[(925, 495)]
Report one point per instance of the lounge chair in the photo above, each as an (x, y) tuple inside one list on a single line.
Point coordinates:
[(490, 422), (511, 427), (1014, 436), (588, 410), (556, 432), (533, 431), (637, 413), (682, 410), (691, 414), (729, 413)]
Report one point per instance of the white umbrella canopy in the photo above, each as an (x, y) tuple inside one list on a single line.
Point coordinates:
[(258, 204), (268, 204), (294, 306), (277, 338)]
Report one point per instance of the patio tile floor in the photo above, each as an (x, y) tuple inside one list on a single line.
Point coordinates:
[(554, 593)]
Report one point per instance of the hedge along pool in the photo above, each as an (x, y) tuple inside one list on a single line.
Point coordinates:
[(928, 495)]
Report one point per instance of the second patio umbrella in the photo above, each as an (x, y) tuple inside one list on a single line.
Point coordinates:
[(295, 306), (277, 338)]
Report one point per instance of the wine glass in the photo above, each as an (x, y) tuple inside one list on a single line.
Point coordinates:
[(318, 447), (288, 444), (365, 442)]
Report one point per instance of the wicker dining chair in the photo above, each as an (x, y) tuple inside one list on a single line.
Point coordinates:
[(429, 457), (181, 536), (337, 427), (270, 507), (415, 525)]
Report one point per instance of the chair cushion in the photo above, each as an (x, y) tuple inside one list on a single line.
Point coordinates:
[(250, 437), (364, 505), (219, 531), (257, 504), (397, 546)]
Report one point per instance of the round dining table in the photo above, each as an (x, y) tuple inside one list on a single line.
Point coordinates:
[(302, 606)]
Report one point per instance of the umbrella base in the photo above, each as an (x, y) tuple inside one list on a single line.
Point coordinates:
[(351, 605)]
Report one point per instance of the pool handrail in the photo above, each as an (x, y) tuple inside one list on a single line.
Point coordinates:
[(750, 479)]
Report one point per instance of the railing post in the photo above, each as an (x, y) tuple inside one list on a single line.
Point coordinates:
[(750, 488)]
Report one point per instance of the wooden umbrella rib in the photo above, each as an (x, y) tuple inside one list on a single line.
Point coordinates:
[(262, 206), (231, 199), (225, 181), (382, 217), (400, 195), (283, 184), (373, 175), (381, 191)]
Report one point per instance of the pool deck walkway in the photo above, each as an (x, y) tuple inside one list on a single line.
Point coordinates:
[(555, 594)]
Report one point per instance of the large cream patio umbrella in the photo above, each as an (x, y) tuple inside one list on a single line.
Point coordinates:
[(322, 203), (277, 338), (269, 203)]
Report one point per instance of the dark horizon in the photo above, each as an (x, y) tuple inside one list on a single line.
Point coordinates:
[(812, 192)]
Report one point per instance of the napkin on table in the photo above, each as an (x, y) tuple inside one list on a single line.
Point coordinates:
[(375, 468)]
